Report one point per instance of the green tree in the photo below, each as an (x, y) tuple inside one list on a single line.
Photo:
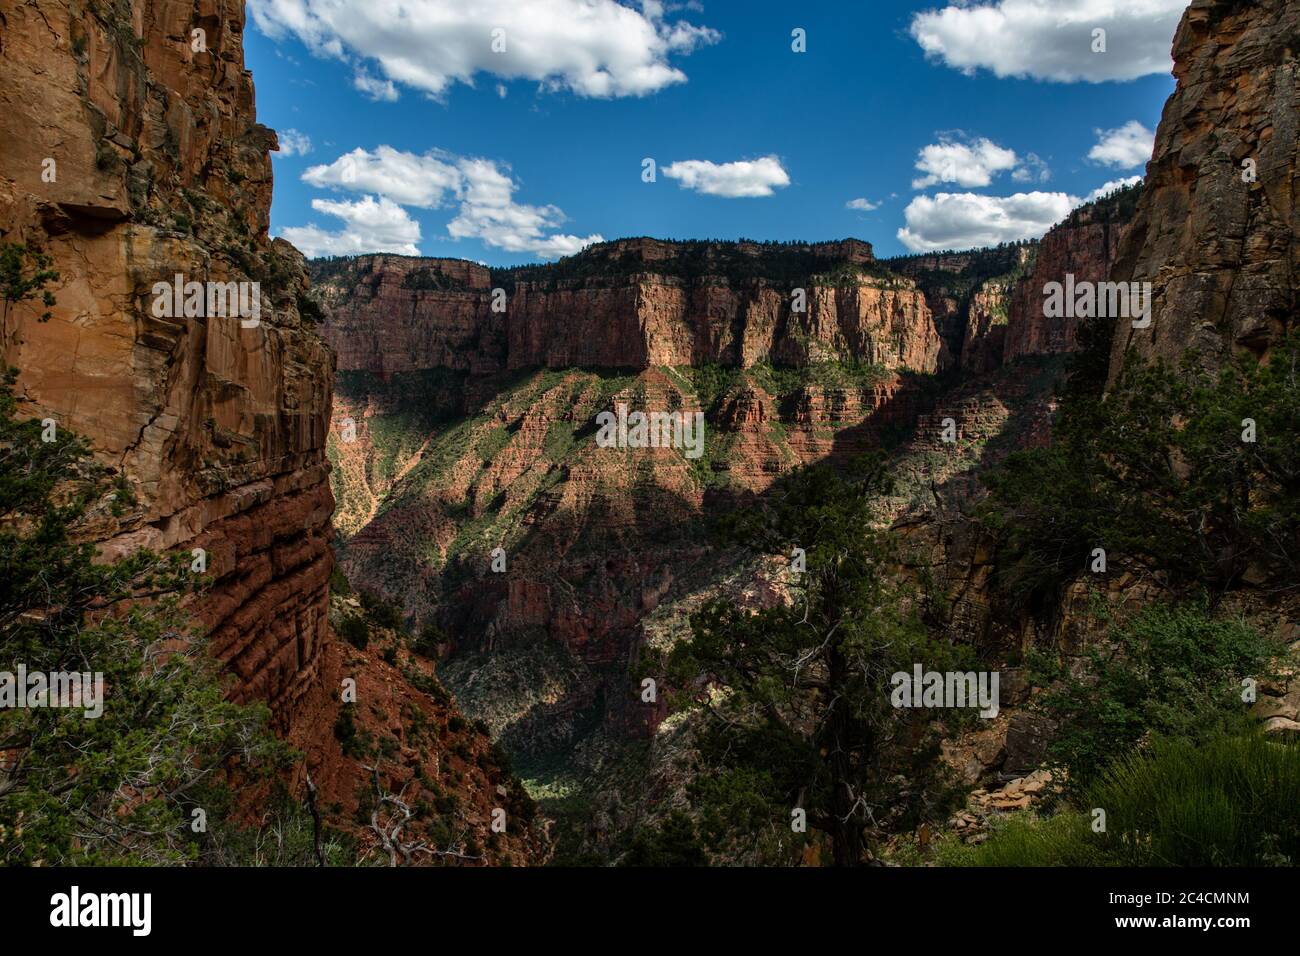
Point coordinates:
[(120, 787), (674, 842), (1170, 670), (1187, 476), (798, 695), (24, 274)]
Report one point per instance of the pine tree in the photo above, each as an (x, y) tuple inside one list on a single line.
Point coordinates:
[(798, 695), (121, 787)]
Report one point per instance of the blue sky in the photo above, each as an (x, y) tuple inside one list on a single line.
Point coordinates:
[(508, 156)]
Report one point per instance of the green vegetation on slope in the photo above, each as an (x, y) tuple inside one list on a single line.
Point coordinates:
[(121, 787), (805, 724), (1227, 801), (1188, 475)]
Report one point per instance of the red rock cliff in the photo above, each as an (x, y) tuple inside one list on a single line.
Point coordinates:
[(628, 304), (1215, 231), (1085, 246), (129, 158)]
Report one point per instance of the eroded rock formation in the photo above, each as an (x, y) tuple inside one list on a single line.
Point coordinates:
[(130, 158), (1085, 247), (1216, 228), (629, 304)]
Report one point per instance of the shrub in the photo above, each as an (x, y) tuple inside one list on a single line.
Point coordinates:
[(673, 843), (1229, 801), (119, 788), (431, 638), (1174, 671), (355, 631), (339, 582), (1116, 477), (382, 613)]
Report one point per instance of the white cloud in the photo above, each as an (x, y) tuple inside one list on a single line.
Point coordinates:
[(483, 190), (294, 143), (405, 178), (746, 178), (488, 212), (969, 220), (1111, 186), (862, 205), (974, 164), (381, 91), (371, 226), (1052, 39), (596, 48), (1130, 145)]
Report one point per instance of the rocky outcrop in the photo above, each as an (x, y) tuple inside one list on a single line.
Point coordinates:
[(130, 158), (986, 328), (393, 314), (970, 296), (1085, 247), (629, 304), (1216, 229)]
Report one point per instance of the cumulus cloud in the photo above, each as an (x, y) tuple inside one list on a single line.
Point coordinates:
[(1111, 186), (973, 164), (970, 220), (1130, 145), (371, 225), (1032, 169), (743, 179), (862, 205), (595, 48), (488, 212), (294, 143), (481, 189), (1052, 39), (406, 178)]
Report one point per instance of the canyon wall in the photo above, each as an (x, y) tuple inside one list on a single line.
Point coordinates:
[(1216, 228), (1084, 246), (628, 304), (130, 158)]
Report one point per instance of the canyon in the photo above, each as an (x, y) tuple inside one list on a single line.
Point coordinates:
[(472, 433), (417, 416)]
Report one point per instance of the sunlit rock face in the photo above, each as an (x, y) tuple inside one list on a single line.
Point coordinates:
[(1215, 232), (132, 155)]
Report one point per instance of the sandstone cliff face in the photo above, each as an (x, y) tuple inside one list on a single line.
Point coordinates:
[(131, 158), (1084, 246), (392, 314), (629, 304), (986, 328), (970, 295), (1221, 250)]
